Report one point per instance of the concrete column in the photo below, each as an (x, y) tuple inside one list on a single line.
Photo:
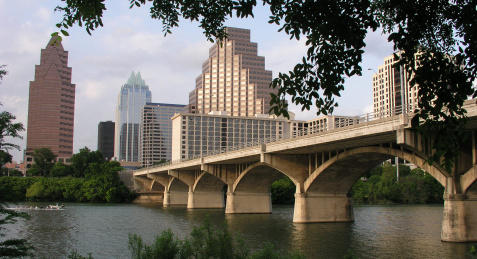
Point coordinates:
[(322, 208), (205, 200), (459, 220), (174, 198), (245, 202)]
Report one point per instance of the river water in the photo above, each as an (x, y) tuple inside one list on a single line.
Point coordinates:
[(378, 231)]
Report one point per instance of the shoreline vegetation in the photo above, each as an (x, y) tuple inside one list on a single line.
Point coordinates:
[(88, 178)]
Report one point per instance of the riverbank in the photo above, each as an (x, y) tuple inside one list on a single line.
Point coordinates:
[(101, 188)]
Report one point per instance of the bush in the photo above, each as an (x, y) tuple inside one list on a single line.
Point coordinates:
[(204, 242), (414, 187), (283, 191)]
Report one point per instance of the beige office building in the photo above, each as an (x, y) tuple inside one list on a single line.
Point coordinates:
[(391, 90), (233, 78), (321, 124), (195, 135)]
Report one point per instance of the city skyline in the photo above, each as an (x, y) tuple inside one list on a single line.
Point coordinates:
[(131, 40)]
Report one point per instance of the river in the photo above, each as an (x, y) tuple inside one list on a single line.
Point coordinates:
[(377, 232)]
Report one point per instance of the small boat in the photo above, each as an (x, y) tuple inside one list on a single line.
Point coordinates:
[(55, 207)]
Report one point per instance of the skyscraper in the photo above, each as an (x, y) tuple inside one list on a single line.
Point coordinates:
[(106, 139), (51, 104), (156, 132), (132, 98), (391, 90), (233, 78)]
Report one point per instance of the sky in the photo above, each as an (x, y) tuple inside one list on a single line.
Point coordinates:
[(131, 41)]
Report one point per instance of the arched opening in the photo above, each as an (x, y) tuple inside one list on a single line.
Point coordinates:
[(251, 192), (176, 194), (327, 190), (207, 192)]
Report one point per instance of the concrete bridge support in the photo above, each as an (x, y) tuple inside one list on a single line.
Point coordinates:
[(322, 208), (175, 194), (459, 220), (248, 202), (205, 191)]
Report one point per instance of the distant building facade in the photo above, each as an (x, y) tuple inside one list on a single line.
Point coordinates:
[(51, 104), (233, 78), (195, 135), (392, 92), (106, 139), (132, 98), (321, 124), (156, 132)]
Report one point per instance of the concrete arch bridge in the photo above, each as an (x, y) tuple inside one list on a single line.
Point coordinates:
[(323, 168)]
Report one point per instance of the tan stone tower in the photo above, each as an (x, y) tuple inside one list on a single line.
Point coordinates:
[(51, 104), (233, 78), (392, 92)]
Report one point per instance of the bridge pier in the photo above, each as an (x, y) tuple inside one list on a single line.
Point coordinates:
[(174, 198), (205, 200), (459, 220), (322, 208), (247, 202)]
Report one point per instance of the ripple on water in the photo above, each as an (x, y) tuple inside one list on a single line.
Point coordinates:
[(378, 231)]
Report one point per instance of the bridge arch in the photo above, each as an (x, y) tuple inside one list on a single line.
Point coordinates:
[(259, 176), (468, 180), (337, 175), (176, 185), (207, 182)]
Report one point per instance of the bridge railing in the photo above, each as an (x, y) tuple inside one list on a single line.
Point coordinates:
[(347, 122)]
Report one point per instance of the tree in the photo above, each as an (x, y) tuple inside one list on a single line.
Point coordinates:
[(82, 160), (442, 32), (44, 160)]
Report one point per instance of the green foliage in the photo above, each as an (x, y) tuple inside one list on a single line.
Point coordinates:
[(60, 170), (204, 242), (14, 188), (101, 188), (9, 129), (283, 191), (80, 162), (414, 186), (75, 255), (44, 160)]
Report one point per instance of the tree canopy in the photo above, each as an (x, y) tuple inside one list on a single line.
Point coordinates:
[(442, 32)]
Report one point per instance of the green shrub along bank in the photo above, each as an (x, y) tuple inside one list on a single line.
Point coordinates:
[(88, 178), (378, 186), (283, 191), (102, 188)]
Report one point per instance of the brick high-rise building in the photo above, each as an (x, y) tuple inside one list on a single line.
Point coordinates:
[(51, 104), (233, 78)]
